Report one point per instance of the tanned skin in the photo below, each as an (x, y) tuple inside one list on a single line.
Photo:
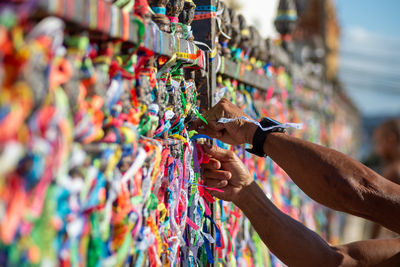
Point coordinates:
[(327, 176), (387, 146)]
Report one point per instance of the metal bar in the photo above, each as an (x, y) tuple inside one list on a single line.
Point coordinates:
[(204, 30), (312, 83), (166, 44), (110, 24), (313, 106), (280, 57), (239, 72)]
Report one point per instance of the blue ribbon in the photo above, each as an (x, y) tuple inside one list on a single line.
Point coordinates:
[(207, 246), (93, 198), (223, 216), (286, 17), (159, 10), (206, 8), (198, 136), (167, 125), (217, 232)]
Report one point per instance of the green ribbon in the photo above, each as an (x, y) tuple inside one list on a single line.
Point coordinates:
[(145, 125), (199, 116), (141, 31), (183, 98)]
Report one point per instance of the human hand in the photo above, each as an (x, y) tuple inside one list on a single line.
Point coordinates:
[(234, 133), (225, 171)]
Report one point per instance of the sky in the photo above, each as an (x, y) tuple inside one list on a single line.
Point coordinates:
[(369, 53)]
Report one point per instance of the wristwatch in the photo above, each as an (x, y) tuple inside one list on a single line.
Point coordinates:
[(260, 135)]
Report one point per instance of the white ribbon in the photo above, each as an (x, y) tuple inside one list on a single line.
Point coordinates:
[(282, 125)]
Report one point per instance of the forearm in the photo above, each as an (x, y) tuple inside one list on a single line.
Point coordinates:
[(289, 240), (336, 180), (375, 252), (296, 245)]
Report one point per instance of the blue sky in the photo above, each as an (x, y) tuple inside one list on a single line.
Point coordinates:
[(376, 16), (370, 54)]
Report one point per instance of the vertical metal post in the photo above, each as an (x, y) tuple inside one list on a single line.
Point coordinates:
[(205, 30)]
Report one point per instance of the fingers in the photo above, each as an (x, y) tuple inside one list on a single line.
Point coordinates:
[(217, 152), (220, 195), (215, 126), (215, 183), (216, 174), (226, 193), (211, 129), (197, 124), (213, 176), (212, 164)]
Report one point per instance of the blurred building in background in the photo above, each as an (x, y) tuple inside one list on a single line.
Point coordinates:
[(363, 62), (363, 68), (370, 64)]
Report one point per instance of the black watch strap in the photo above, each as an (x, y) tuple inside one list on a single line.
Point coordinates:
[(260, 136)]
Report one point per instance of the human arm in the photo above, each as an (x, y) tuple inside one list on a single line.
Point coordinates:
[(288, 239), (296, 245), (336, 180), (326, 175), (392, 173)]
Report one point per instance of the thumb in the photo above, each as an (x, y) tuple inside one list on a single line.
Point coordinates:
[(216, 194), (217, 152), (195, 125), (215, 125), (212, 129)]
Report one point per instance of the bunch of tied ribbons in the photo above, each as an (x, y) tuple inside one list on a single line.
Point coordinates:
[(98, 168), (240, 244)]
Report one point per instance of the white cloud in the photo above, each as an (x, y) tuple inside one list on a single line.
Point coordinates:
[(358, 34), (361, 39)]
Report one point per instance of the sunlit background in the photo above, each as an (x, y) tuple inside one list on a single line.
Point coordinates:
[(64, 197), (369, 65), (369, 59), (369, 49), (370, 55)]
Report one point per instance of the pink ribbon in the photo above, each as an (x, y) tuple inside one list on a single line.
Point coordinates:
[(192, 224), (174, 19)]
